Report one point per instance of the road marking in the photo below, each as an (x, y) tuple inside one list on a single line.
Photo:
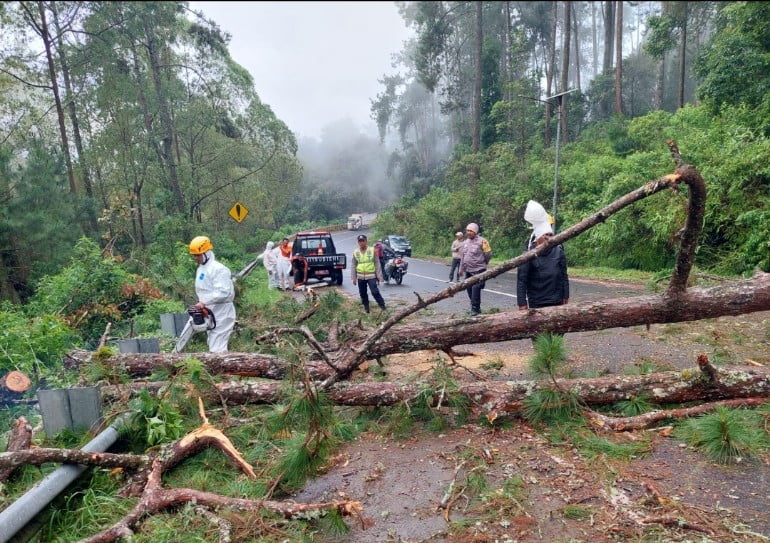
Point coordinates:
[(445, 281)]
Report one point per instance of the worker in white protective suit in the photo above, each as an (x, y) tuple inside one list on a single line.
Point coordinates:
[(284, 265), (270, 261), (215, 291)]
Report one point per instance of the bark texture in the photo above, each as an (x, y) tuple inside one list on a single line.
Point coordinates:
[(729, 299), (19, 440), (496, 398)]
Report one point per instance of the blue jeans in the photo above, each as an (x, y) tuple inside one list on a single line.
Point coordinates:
[(455, 268)]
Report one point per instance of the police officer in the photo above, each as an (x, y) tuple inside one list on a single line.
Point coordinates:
[(366, 271)]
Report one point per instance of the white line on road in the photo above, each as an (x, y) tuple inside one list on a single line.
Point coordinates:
[(445, 281)]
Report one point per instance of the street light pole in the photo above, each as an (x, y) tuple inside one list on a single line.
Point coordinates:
[(556, 162), (558, 98)]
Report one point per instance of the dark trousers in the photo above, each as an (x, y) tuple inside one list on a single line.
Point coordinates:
[(372, 284), (474, 292), (455, 267)]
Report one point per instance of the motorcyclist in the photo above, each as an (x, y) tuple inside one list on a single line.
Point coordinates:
[(385, 254)]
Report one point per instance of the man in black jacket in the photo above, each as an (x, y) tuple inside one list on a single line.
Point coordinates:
[(542, 282)]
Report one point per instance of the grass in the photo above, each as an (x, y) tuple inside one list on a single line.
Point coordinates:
[(726, 435), (508, 499), (593, 447), (635, 405), (577, 512), (610, 274)]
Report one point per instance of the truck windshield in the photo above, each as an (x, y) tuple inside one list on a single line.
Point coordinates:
[(308, 246)]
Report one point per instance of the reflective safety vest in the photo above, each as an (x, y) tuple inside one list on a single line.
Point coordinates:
[(364, 261)]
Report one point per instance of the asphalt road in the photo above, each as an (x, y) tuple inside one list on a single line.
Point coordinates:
[(427, 277)]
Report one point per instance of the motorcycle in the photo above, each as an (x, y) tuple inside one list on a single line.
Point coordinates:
[(395, 268)]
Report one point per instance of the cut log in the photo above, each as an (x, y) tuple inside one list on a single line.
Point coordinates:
[(231, 363), (19, 440), (728, 299), (497, 398), (15, 381)]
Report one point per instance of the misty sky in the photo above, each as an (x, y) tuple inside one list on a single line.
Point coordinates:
[(313, 62)]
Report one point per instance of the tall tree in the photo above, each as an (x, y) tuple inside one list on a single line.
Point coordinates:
[(576, 40), (550, 70), (608, 11), (564, 83), (619, 59), (41, 28), (594, 44), (479, 41), (72, 111), (682, 17)]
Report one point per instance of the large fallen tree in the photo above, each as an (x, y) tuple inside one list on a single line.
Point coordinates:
[(676, 304), (728, 299), (325, 368)]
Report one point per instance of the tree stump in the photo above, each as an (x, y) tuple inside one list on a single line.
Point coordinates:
[(16, 382)]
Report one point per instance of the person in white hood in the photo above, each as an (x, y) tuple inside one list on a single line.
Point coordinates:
[(541, 221), (215, 291), (544, 281), (270, 261)]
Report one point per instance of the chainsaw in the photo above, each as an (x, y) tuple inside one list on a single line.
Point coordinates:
[(201, 319)]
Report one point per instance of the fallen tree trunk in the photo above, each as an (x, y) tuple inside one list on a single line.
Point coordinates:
[(728, 299), (243, 364), (497, 398), (347, 359), (645, 420), (19, 439)]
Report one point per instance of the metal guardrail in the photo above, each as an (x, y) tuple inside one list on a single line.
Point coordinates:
[(17, 515)]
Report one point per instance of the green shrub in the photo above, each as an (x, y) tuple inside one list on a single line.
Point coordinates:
[(92, 291), (724, 435), (35, 345)]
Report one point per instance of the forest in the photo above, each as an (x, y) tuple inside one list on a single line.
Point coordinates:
[(126, 129)]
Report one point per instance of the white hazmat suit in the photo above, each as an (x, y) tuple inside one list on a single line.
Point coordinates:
[(284, 270), (270, 261), (214, 288)]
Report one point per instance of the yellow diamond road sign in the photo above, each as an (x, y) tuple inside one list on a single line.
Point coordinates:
[(238, 212)]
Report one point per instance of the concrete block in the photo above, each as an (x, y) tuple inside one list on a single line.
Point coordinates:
[(136, 345), (55, 408), (75, 409), (85, 407), (128, 346), (149, 345), (173, 323)]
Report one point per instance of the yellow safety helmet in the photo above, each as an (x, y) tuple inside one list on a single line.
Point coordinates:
[(200, 245)]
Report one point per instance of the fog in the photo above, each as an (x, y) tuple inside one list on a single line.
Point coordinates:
[(317, 65), (314, 63)]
